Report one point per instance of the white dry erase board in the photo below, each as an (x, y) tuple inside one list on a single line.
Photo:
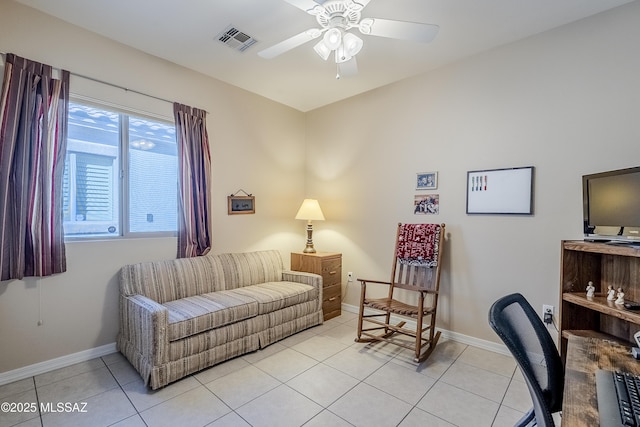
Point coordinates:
[(500, 191)]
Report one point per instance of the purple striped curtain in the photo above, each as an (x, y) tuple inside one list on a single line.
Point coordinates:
[(33, 140), (194, 175)]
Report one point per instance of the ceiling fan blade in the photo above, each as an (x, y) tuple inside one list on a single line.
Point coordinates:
[(306, 5), (348, 68), (290, 43), (412, 31)]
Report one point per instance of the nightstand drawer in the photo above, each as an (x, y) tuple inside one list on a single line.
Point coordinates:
[(331, 301), (331, 272), (329, 266)]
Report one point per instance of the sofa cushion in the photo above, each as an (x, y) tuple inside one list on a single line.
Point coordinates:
[(250, 268), (192, 315), (169, 280), (272, 296)]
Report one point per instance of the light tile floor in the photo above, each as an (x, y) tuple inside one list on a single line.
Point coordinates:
[(316, 378)]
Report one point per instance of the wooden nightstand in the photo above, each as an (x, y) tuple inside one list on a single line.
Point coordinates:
[(329, 266)]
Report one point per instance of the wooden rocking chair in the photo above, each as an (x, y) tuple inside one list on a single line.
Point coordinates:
[(416, 267)]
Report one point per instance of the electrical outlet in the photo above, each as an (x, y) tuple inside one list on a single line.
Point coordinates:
[(547, 314), (350, 276)]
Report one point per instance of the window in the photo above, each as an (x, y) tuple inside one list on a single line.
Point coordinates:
[(121, 175)]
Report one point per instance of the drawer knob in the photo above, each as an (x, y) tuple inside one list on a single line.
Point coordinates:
[(332, 299), (332, 272)]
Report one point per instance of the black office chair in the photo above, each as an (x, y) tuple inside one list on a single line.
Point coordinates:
[(526, 337)]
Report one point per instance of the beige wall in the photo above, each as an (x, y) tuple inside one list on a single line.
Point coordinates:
[(565, 101), (256, 145)]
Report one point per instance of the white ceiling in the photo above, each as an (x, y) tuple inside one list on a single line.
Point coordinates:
[(184, 32)]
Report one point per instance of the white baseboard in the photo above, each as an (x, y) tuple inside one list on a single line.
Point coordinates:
[(57, 363), (83, 356), (454, 336)]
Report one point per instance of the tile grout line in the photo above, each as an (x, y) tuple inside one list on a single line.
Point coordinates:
[(126, 395), (503, 396), (35, 389), (389, 358)]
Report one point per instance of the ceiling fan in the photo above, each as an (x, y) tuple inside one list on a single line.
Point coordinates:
[(336, 18)]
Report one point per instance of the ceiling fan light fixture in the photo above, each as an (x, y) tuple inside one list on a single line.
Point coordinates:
[(336, 19), (322, 50), (333, 38), (352, 44)]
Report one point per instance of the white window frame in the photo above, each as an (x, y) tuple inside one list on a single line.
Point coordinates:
[(123, 174)]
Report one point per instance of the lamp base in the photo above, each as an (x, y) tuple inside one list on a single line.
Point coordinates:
[(309, 249)]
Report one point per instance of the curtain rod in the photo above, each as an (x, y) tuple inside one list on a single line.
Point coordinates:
[(4, 58), (119, 87)]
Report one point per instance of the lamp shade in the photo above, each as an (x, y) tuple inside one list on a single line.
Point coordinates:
[(310, 211)]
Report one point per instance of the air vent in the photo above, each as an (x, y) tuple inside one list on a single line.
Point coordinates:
[(236, 39)]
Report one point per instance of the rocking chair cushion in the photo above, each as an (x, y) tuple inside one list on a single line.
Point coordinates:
[(418, 244)]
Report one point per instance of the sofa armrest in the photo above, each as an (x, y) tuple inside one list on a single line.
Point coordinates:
[(312, 279), (302, 277), (144, 323)]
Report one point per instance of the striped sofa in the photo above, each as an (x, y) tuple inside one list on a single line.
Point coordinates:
[(183, 315)]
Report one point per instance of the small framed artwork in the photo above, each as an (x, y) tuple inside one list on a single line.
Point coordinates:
[(238, 205), (427, 181), (500, 191), (426, 204)]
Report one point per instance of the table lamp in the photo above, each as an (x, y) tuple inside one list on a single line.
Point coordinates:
[(310, 211)]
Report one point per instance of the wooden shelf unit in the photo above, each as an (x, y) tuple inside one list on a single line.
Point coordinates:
[(329, 266), (603, 265)]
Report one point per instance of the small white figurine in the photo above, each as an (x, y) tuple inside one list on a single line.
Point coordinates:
[(591, 290), (620, 298), (611, 293)]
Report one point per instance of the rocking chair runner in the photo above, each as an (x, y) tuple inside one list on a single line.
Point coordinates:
[(416, 267)]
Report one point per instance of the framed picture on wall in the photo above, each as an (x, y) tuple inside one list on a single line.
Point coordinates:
[(427, 180), (238, 205), (500, 191), (426, 204)]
